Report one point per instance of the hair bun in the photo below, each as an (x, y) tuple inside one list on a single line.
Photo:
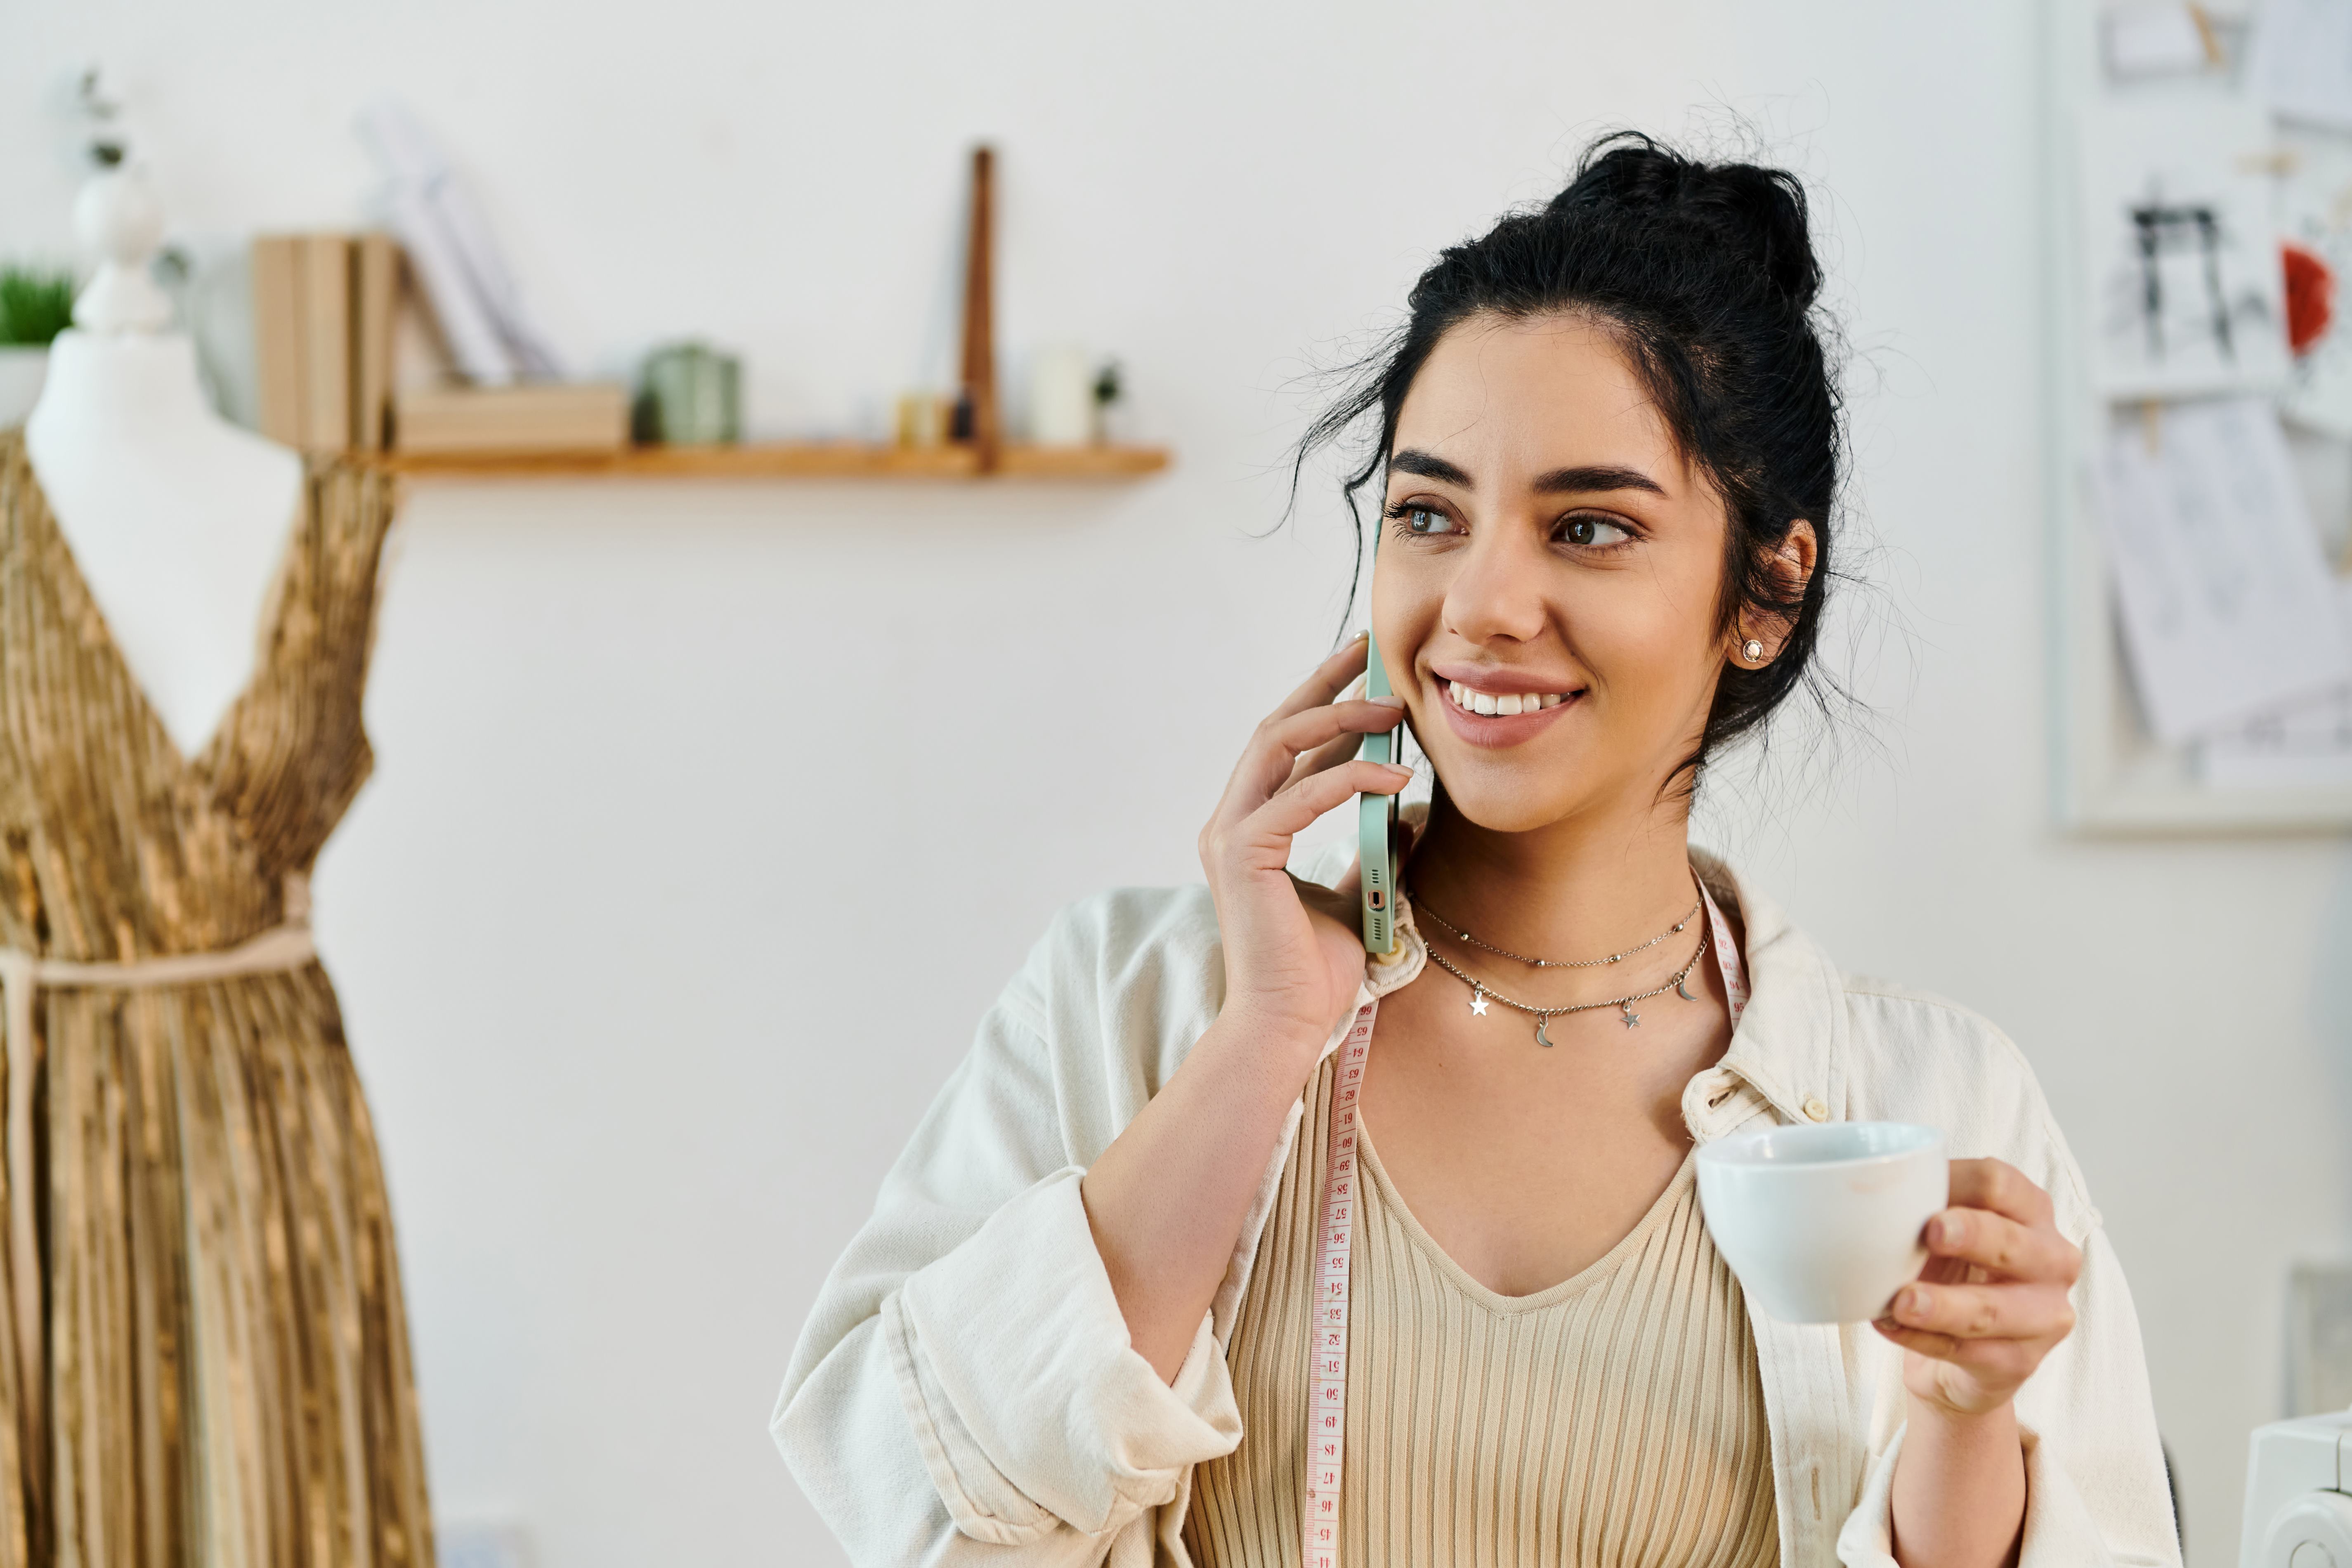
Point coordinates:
[(1739, 210)]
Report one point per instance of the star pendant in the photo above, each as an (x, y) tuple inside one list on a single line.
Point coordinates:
[(1631, 1018), (1478, 1003)]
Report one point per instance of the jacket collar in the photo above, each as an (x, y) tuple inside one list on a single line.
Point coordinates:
[(1790, 1045)]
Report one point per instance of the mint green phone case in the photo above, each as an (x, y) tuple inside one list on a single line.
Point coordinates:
[(1375, 819)]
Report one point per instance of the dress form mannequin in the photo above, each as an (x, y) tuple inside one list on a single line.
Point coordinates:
[(176, 517)]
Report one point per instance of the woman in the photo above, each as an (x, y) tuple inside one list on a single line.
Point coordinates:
[(1080, 1325)]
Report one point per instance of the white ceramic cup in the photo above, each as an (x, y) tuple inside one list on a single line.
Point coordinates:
[(1824, 1225)]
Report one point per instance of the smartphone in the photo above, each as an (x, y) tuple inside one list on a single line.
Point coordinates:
[(1376, 817)]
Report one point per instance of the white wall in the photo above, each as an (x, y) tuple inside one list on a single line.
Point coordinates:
[(640, 927)]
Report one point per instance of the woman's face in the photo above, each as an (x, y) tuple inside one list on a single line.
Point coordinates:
[(1548, 579)]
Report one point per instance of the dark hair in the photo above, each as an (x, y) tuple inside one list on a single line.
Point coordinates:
[(1705, 275)]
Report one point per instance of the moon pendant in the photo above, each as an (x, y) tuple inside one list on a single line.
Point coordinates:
[(1683, 990), (1542, 1039)]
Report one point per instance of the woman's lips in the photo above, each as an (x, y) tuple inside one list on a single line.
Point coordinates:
[(1501, 729)]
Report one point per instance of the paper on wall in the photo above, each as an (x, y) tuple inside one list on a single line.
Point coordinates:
[(2300, 65), (2228, 607), (2156, 37), (2306, 743), (2181, 249), (2315, 220)]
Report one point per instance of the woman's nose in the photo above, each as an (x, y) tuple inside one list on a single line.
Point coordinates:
[(1497, 594)]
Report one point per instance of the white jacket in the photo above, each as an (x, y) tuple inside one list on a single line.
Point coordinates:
[(965, 1392)]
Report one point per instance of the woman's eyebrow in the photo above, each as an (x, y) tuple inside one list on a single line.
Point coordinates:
[(1428, 466), (1596, 477), (1582, 478)]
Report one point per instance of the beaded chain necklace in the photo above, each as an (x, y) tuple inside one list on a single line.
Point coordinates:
[(1481, 992)]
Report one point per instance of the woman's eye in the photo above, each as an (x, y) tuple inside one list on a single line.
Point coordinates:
[(1594, 531), (1426, 519)]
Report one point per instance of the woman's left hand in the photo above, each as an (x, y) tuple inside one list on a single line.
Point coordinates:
[(1992, 1300)]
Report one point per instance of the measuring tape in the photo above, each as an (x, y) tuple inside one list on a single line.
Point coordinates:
[(1326, 1368), (1726, 957)]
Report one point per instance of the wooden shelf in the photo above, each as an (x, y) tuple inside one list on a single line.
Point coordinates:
[(788, 460)]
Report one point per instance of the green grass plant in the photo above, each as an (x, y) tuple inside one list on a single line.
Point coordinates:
[(35, 306)]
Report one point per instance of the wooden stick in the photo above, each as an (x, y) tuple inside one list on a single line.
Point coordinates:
[(979, 315)]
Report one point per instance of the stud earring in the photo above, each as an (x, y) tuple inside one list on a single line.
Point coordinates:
[(1751, 650)]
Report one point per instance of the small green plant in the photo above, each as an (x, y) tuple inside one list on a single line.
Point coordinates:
[(35, 306)]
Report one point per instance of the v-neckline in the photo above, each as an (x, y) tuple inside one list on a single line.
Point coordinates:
[(272, 609), (1593, 1273)]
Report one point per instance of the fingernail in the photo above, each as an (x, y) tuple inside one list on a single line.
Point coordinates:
[(1391, 700), (1400, 773), (1941, 1232), (1914, 1303)]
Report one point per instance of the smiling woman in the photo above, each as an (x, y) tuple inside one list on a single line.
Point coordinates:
[(1168, 1275), (1694, 391), (1535, 483)]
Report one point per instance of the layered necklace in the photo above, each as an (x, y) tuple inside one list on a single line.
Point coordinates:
[(1481, 992)]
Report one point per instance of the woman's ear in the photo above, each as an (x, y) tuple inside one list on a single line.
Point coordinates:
[(1757, 635)]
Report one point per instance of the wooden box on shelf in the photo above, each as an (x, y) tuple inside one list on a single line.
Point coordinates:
[(560, 419)]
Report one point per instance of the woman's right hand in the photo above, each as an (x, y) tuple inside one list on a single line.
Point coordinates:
[(1294, 951), (1167, 1201)]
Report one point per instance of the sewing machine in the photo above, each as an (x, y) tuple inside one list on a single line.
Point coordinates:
[(2299, 1494)]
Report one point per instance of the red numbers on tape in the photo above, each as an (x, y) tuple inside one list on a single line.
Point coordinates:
[(1327, 1385)]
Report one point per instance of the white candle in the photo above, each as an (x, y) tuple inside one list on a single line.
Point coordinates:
[(1062, 398)]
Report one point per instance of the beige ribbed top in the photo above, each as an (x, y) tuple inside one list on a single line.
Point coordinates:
[(1612, 1421)]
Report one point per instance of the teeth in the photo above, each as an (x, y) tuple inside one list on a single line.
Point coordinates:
[(1513, 702)]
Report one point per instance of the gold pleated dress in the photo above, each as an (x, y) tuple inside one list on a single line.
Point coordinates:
[(203, 1355)]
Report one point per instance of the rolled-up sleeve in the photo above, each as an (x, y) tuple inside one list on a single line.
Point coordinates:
[(2096, 1492), (965, 1382), (1015, 1368)]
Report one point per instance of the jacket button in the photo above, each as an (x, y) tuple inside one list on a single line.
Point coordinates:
[(1815, 1110)]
